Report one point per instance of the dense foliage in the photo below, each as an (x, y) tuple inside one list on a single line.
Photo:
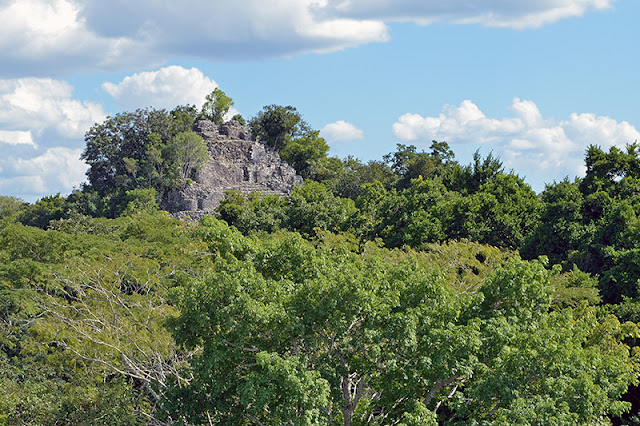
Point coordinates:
[(595, 222), (317, 335), (478, 202), (413, 290), (275, 328), (145, 149)]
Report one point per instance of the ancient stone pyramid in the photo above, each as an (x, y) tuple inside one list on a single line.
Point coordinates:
[(236, 162)]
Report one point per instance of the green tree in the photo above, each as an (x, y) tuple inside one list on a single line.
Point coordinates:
[(561, 216), (126, 151), (502, 212), (407, 163), (605, 169), (468, 179), (253, 212), (240, 119), (140, 150), (140, 200), (46, 209), (86, 201), (276, 125), (344, 178), (216, 106), (413, 216), (10, 207), (311, 206), (182, 118), (594, 222), (82, 308), (303, 152), (191, 154), (368, 204)]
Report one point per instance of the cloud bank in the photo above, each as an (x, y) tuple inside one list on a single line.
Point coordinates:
[(57, 169), (57, 36), (41, 136), (37, 105), (526, 142)]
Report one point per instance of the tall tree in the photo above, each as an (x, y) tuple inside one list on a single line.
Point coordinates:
[(190, 153), (604, 169), (407, 163), (126, 151), (304, 152), (216, 106), (276, 125)]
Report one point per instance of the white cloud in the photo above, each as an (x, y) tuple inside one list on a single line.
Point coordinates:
[(16, 137), (49, 36), (56, 170), (58, 167), (41, 136), (466, 122), (40, 104), (341, 131), (165, 88), (543, 149)]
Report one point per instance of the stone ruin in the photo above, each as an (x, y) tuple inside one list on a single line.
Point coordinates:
[(236, 162)]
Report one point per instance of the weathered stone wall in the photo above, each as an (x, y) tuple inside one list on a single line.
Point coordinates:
[(236, 162)]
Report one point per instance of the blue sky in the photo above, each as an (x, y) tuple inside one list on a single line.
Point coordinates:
[(534, 81)]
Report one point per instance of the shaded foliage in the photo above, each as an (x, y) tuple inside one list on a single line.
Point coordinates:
[(141, 150), (594, 222)]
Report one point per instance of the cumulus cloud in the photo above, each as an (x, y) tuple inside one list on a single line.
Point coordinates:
[(41, 136), (526, 142), (341, 131), (165, 88), (120, 34), (37, 105), (16, 138), (56, 170), (41, 37)]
